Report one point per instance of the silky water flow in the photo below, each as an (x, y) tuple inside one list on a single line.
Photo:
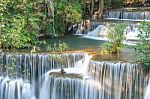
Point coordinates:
[(38, 76)]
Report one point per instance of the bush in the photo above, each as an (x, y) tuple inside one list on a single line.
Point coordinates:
[(60, 47), (143, 47), (116, 37), (20, 25), (66, 12)]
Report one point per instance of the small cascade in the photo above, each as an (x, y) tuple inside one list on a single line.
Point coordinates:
[(127, 15), (112, 14), (79, 30), (147, 95), (14, 89), (131, 32), (100, 32)]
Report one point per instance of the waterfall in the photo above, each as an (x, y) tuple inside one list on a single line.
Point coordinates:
[(79, 30), (107, 80), (127, 15), (147, 95), (68, 88), (112, 14), (37, 76), (14, 89), (131, 32), (31, 68), (100, 32), (60, 88), (147, 15), (118, 80)]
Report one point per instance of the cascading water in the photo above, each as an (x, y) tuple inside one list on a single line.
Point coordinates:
[(112, 14), (67, 88), (100, 33), (127, 15), (106, 80), (27, 70), (15, 89), (118, 80), (131, 33), (147, 95), (84, 79)]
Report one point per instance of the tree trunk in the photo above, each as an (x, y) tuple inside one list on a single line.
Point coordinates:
[(92, 7), (101, 7)]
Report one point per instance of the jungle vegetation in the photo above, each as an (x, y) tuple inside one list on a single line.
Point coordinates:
[(23, 22)]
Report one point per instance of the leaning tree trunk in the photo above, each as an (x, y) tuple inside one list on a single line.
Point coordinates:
[(101, 7)]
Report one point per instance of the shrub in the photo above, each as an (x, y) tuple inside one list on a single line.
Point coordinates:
[(116, 37), (143, 47), (60, 47)]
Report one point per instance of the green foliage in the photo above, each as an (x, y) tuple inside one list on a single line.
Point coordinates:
[(107, 3), (143, 47), (113, 3), (14, 34), (35, 49), (20, 24), (116, 37), (106, 48), (66, 12), (23, 21), (117, 3), (60, 47)]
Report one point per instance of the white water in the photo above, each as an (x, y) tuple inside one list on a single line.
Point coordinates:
[(106, 80), (131, 33), (80, 67), (31, 68), (127, 15), (98, 80), (15, 89), (79, 30), (100, 33), (147, 95)]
